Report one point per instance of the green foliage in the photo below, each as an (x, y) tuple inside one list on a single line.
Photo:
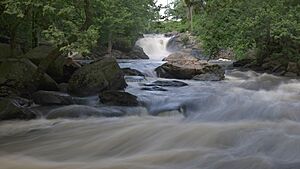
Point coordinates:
[(74, 25), (271, 27)]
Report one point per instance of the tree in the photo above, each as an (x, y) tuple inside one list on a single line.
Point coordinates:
[(270, 27)]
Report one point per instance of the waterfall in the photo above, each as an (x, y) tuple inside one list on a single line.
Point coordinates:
[(155, 46)]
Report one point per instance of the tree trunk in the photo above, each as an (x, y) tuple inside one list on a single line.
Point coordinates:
[(13, 41), (34, 34), (110, 44)]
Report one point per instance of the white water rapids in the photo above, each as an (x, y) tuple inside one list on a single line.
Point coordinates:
[(248, 121)]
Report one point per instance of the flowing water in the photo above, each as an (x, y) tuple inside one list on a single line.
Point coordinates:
[(248, 121)]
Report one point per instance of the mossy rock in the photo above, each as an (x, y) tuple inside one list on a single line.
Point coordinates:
[(104, 74), (22, 74), (5, 51)]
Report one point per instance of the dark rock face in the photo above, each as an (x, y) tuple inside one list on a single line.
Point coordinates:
[(15, 109), (132, 72), (101, 75), (21, 75), (80, 111), (137, 53), (52, 98), (167, 83), (118, 98), (187, 67)]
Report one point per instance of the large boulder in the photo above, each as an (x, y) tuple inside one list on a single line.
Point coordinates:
[(52, 98), (21, 74), (118, 98), (137, 53), (60, 69), (180, 56), (15, 108), (101, 75), (188, 67)]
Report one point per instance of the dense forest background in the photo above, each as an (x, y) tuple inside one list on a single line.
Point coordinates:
[(259, 29)]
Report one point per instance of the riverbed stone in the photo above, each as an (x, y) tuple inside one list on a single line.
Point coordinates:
[(52, 98), (81, 111), (167, 83), (132, 72), (118, 98), (101, 75), (15, 109)]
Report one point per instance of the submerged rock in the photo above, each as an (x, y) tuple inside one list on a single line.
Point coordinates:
[(167, 83), (81, 111), (154, 88), (118, 98), (132, 72), (15, 109), (104, 74), (52, 98)]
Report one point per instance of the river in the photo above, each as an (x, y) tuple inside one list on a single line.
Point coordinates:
[(248, 121)]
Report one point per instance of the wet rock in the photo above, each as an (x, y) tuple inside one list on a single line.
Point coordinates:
[(15, 109), (216, 75), (52, 98), (118, 98), (104, 74), (154, 88), (242, 62), (188, 69), (63, 87), (134, 78), (180, 56), (22, 76), (167, 83), (137, 53), (132, 72), (81, 111), (293, 67)]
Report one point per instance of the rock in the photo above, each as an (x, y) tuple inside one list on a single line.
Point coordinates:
[(101, 75), (15, 108), (216, 75), (173, 83), (6, 53), (118, 98), (293, 67), (39, 53), (63, 87), (290, 74), (137, 53), (132, 72), (188, 69), (60, 69), (242, 62), (81, 111), (154, 88), (180, 56), (52, 98), (22, 76)]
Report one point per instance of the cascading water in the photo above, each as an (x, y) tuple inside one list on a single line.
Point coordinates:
[(248, 121), (155, 46)]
